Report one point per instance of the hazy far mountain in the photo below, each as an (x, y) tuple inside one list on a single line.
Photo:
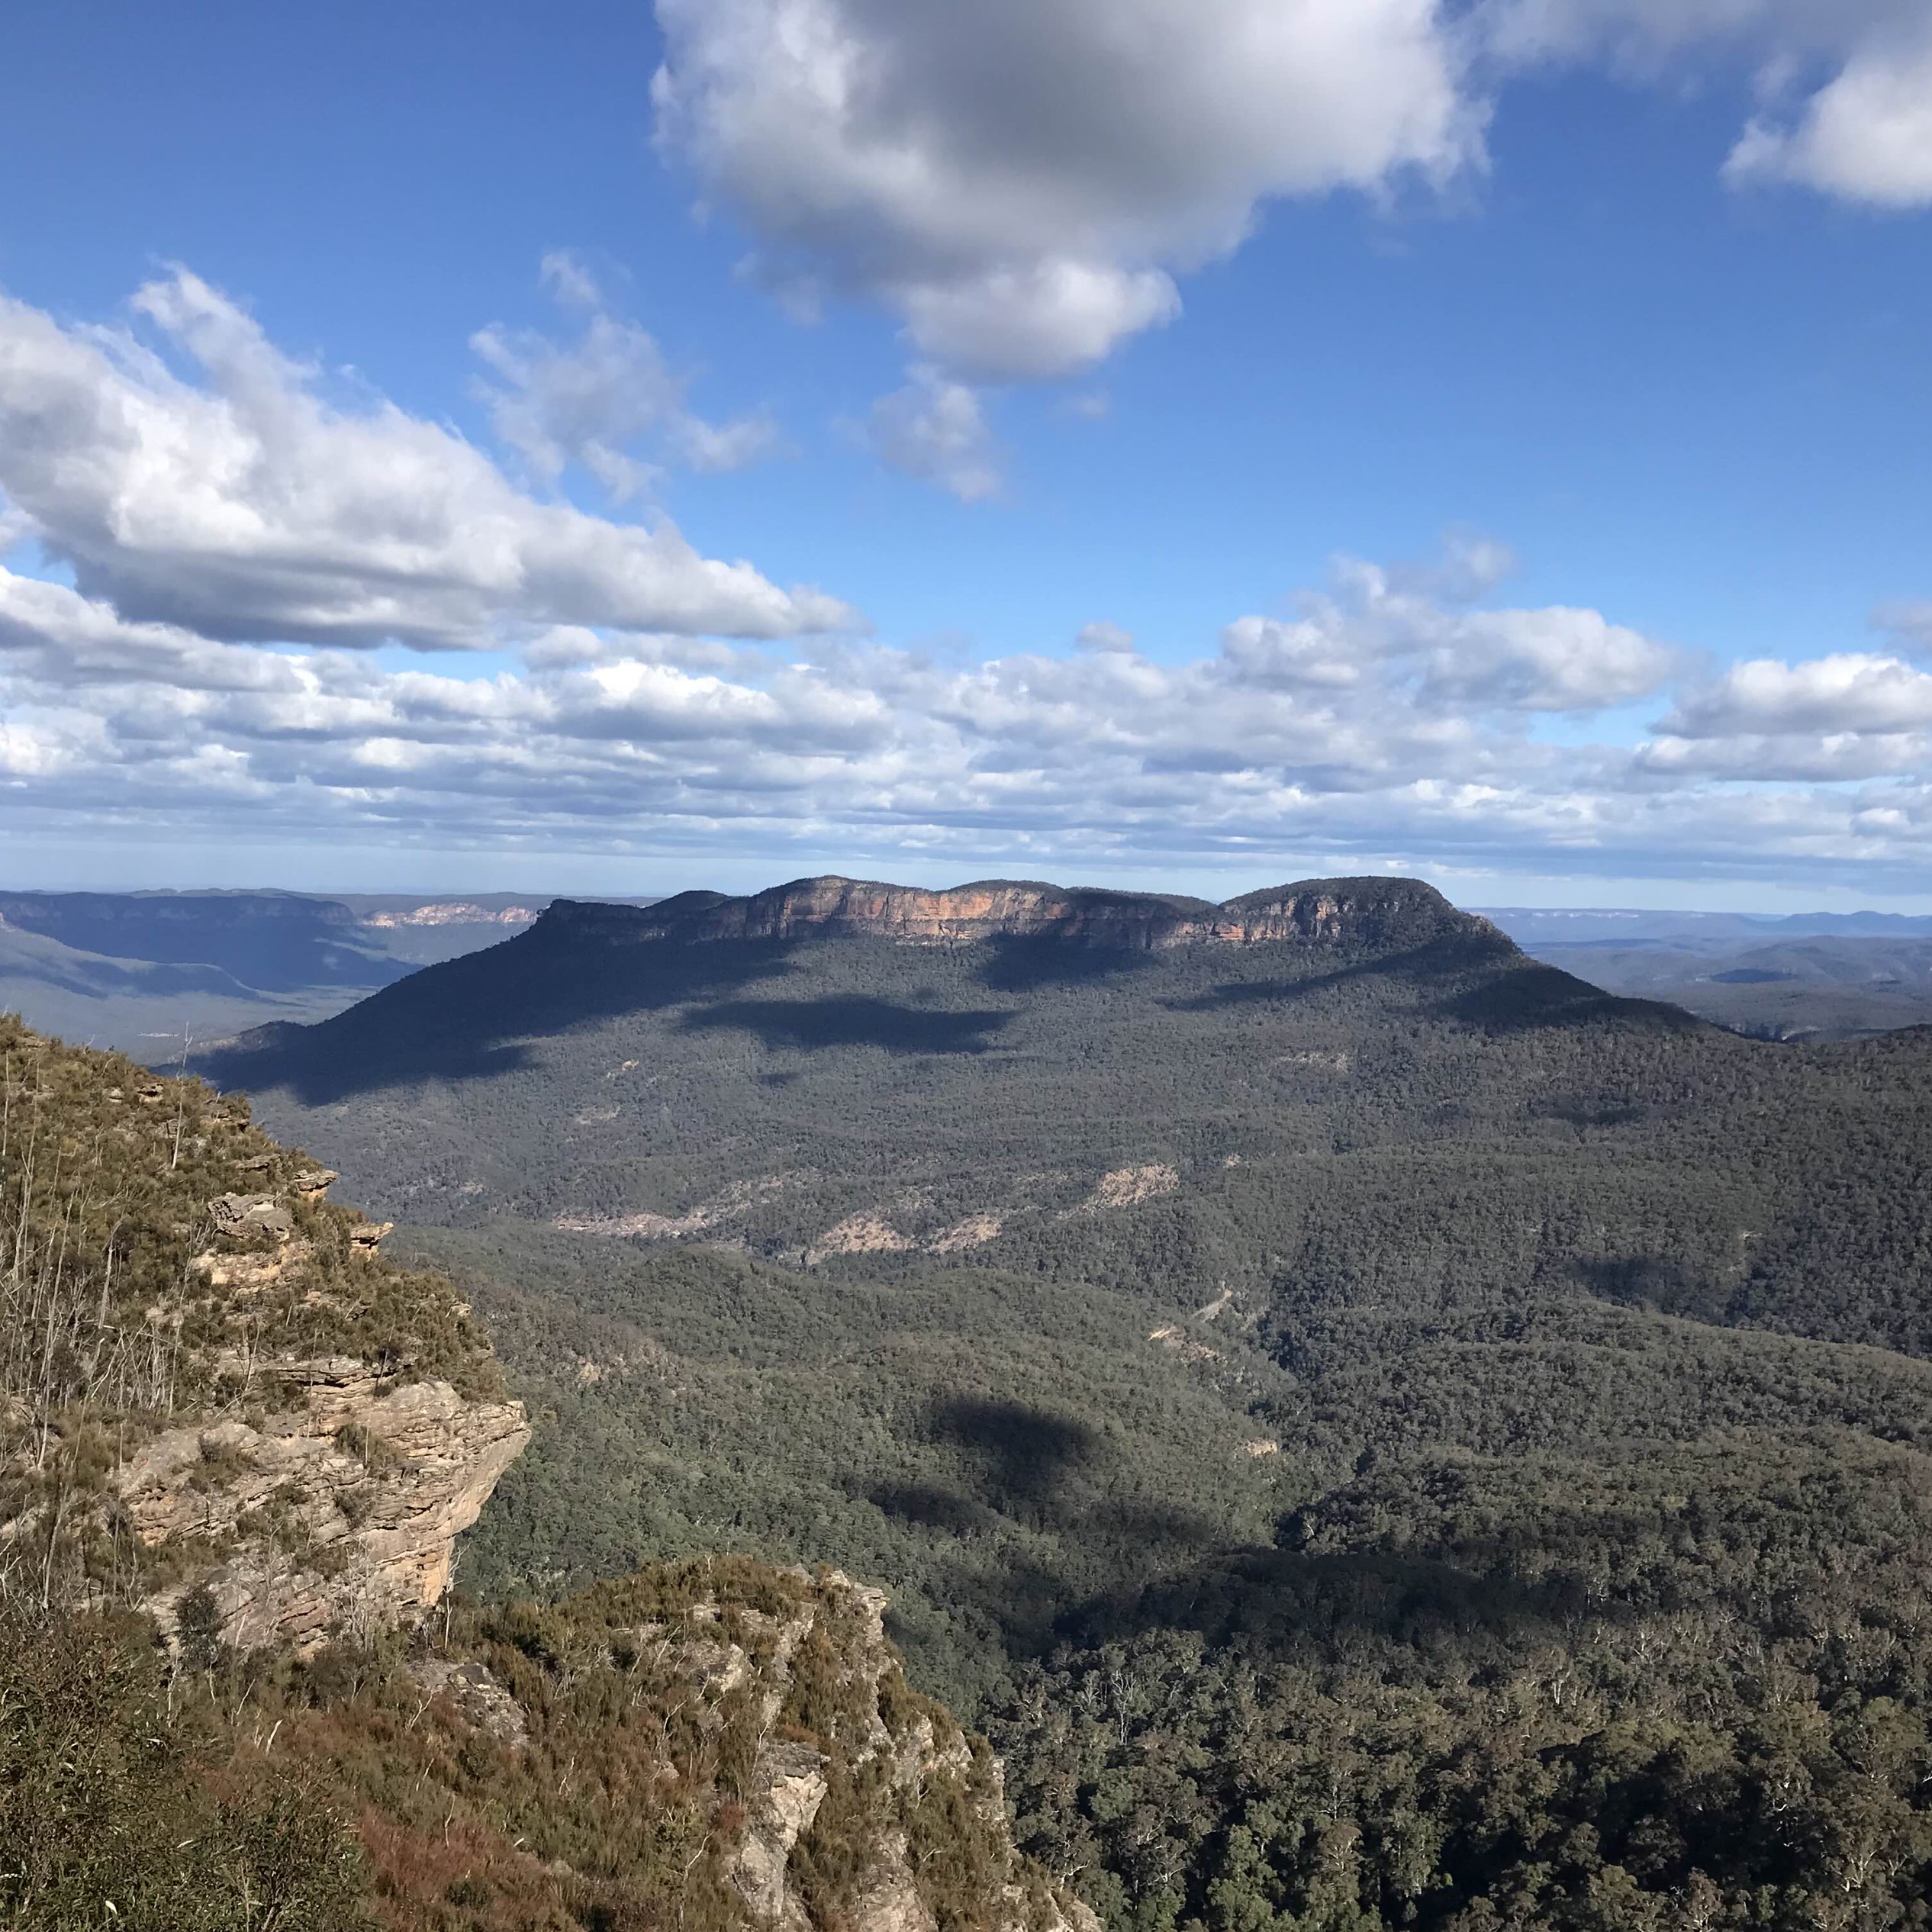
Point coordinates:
[(1806, 975), (143, 971)]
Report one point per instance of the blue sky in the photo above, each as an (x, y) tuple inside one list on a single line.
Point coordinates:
[(1498, 429)]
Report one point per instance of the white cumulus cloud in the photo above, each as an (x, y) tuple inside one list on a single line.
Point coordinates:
[(1019, 180), (235, 500)]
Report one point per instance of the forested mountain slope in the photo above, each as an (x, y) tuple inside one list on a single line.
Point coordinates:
[(1396, 1107), (1380, 1431), (1820, 976)]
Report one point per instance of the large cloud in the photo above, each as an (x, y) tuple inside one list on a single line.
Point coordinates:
[(1393, 716), (1022, 181), (1018, 178), (241, 504)]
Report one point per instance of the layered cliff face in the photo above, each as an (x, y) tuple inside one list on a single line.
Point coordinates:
[(340, 1514), (1328, 912), (224, 1405)]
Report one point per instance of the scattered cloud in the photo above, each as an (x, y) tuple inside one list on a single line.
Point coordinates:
[(1378, 721), (208, 482), (935, 429), (236, 539), (600, 401), (1848, 82), (1413, 627), (1023, 182)]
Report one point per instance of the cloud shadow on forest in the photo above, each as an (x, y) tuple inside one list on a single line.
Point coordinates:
[(1128, 1566), (1021, 1455), (1024, 963), (852, 1019), (1532, 997), (1424, 963)]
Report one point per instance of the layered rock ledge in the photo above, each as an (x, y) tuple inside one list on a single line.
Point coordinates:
[(340, 1514), (1369, 912)]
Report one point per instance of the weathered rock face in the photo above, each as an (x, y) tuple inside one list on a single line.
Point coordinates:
[(221, 1389), (341, 1513), (716, 1742), (1328, 912), (827, 1654)]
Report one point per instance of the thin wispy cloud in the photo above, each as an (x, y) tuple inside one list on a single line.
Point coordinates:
[(608, 401)]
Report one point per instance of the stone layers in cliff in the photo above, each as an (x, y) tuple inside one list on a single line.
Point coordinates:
[(836, 1796), (792, 1778), (340, 1514), (219, 1400), (1369, 912)]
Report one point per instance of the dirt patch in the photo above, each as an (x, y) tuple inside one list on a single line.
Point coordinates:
[(1126, 1186), (739, 1198), (1177, 1341), (858, 1234), (636, 1227), (974, 1231)]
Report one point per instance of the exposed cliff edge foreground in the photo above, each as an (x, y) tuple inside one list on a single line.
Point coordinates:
[(723, 1743), (218, 1393), (237, 1448)]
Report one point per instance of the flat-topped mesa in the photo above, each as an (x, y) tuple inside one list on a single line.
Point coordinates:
[(1367, 912)]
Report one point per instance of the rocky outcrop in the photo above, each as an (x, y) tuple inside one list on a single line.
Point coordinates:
[(826, 1655), (1329, 913), (224, 1398), (340, 1514), (717, 1743)]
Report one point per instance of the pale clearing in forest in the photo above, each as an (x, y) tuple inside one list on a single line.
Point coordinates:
[(974, 1231), (858, 1234), (1127, 1186)]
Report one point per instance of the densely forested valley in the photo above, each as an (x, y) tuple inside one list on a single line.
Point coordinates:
[(1375, 1432)]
